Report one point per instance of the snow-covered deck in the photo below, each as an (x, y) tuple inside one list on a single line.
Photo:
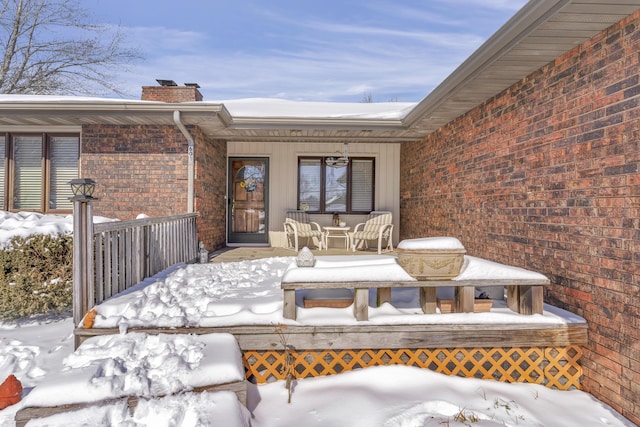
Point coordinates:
[(245, 298)]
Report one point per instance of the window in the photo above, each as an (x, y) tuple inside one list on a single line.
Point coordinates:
[(36, 169), (3, 168), (329, 189)]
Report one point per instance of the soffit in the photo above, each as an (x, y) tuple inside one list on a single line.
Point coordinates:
[(66, 113), (539, 33)]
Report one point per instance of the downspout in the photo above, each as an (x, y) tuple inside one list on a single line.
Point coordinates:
[(191, 164)]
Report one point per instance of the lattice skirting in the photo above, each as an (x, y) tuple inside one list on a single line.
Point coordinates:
[(554, 367)]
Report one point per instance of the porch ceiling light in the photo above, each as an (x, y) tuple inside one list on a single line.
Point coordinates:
[(82, 188), (337, 161)]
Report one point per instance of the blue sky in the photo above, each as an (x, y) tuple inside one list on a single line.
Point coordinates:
[(328, 50)]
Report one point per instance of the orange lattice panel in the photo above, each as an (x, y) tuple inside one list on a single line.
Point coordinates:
[(555, 367)]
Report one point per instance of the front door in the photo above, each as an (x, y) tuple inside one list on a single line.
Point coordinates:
[(248, 200)]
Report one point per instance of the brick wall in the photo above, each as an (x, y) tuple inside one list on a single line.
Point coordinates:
[(545, 176), (171, 93), (144, 169), (138, 169), (210, 190)]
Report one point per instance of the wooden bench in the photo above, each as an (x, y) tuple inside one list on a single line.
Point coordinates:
[(524, 296)]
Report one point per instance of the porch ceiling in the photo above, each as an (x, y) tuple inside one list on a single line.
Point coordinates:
[(540, 32)]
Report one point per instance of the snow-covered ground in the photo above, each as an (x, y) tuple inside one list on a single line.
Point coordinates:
[(397, 396)]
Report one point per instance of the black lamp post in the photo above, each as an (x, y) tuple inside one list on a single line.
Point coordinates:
[(82, 188), (83, 280)]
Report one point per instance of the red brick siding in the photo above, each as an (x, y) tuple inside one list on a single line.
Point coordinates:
[(171, 93), (210, 190), (545, 176), (144, 169), (138, 169)]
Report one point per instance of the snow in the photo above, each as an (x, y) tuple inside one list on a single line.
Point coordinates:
[(138, 364), (273, 107), (22, 224), (253, 108), (220, 409), (40, 353), (337, 268), (439, 243), (249, 293)]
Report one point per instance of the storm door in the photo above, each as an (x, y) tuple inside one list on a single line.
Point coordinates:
[(248, 201)]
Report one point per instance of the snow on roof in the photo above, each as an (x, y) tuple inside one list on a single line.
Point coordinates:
[(251, 107), (272, 107)]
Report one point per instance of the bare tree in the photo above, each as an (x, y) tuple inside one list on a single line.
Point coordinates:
[(50, 48), (367, 98)]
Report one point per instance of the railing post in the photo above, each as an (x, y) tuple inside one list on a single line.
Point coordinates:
[(83, 274)]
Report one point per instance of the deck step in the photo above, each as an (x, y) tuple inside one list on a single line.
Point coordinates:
[(221, 364)]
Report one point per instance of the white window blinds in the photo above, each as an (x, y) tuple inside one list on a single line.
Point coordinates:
[(362, 185), (63, 160), (3, 162), (27, 157)]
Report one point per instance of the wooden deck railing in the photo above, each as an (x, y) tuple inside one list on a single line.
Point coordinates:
[(126, 252)]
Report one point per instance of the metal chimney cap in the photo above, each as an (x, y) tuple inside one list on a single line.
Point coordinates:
[(162, 82)]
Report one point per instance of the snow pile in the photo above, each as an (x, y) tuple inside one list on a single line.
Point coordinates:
[(216, 294), (431, 243), (340, 268), (137, 364), (475, 268), (220, 409), (274, 107), (23, 224), (146, 373), (19, 359), (401, 396)]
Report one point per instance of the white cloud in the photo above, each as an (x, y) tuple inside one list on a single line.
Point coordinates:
[(313, 59)]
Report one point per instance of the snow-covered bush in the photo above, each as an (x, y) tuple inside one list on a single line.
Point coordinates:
[(36, 275)]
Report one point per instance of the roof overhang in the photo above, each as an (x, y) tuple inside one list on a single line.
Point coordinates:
[(69, 112), (536, 35)]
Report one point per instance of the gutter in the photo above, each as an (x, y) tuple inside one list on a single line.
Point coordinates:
[(191, 164)]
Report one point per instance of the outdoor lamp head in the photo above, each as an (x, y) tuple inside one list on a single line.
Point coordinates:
[(82, 188)]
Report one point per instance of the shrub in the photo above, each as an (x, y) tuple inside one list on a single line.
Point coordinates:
[(36, 276)]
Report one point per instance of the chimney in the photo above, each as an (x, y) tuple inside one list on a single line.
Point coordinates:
[(169, 91)]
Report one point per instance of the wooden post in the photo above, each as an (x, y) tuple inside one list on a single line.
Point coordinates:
[(464, 299), (289, 308), (383, 295), (83, 283), (361, 303), (428, 299)]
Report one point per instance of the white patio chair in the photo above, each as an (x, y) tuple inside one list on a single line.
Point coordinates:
[(298, 225), (378, 227)]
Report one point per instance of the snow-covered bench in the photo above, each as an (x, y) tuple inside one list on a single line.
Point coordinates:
[(383, 273), (127, 368)]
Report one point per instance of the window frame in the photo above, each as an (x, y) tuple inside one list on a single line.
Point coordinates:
[(45, 165), (323, 172)]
